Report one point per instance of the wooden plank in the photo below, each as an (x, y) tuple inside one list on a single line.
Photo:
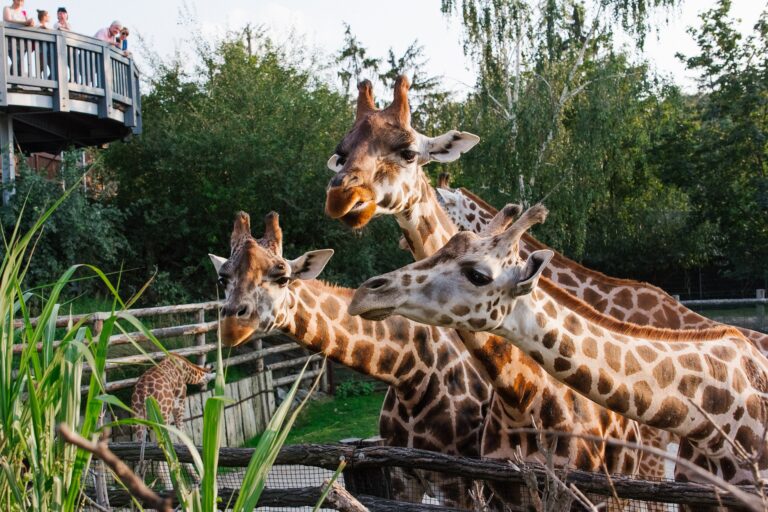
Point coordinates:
[(61, 97), (3, 67), (105, 103), (14, 57), (196, 412), (248, 409)]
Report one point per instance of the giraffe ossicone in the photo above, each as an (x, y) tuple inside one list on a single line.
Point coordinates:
[(702, 385)]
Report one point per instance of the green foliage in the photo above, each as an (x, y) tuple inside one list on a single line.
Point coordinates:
[(84, 228), (350, 388), (253, 134)]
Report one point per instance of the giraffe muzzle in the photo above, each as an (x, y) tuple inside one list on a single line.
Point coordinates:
[(375, 299)]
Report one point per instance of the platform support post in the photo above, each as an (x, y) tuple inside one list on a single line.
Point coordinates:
[(9, 162)]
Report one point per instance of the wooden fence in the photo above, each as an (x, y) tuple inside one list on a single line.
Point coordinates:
[(366, 461), (190, 330)]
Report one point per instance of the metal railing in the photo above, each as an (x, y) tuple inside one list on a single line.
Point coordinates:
[(68, 72)]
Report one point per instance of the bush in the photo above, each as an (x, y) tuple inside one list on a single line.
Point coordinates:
[(350, 388)]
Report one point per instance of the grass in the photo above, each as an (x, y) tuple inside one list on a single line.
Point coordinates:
[(329, 420)]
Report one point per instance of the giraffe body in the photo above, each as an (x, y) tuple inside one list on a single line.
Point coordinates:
[(378, 172), (437, 396), (688, 382), (167, 383)]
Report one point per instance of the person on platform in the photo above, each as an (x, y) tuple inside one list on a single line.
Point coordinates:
[(62, 22), (15, 13), (109, 34)]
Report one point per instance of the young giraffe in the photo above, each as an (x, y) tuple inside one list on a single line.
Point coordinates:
[(378, 165), (167, 383), (633, 301), (702, 385), (437, 396)]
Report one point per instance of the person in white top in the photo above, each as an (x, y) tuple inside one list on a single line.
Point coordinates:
[(43, 19), (15, 13), (63, 19), (108, 34)]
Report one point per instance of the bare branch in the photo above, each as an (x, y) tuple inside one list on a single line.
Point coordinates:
[(134, 484), (342, 500)]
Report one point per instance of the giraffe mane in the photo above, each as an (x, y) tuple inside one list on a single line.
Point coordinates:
[(538, 245), (634, 330)]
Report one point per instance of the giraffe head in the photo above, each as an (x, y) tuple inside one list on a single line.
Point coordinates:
[(191, 373), (378, 162), (471, 283), (257, 280)]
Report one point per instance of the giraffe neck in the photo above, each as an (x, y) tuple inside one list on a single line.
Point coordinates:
[(425, 225), (647, 374), (318, 319)]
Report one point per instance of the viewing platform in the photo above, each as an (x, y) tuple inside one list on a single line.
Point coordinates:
[(60, 89)]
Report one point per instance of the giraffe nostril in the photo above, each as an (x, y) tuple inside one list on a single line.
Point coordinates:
[(375, 284)]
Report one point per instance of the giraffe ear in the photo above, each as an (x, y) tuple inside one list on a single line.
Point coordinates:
[(531, 273), (447, 197), (449, 146), (217, 261), (310, 264), (333, 163)]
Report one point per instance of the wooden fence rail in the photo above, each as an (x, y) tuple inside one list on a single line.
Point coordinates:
[(329, 456)]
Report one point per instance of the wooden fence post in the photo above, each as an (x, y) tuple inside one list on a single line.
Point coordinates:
[(257, 345), (370, 481), (200, 340), (100, 469)]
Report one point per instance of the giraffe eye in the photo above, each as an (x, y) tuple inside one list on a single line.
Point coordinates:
[(475, 277), (222, 281), (282, 281), (408, 155)]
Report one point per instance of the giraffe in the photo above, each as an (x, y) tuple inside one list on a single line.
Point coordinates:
[(708, 386), (167, 383), (437, 395), (378, 166), (634, 301)]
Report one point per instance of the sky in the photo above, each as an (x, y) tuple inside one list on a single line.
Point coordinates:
[(165, 29)]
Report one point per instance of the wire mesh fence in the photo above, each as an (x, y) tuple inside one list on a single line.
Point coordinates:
[(442, 483)]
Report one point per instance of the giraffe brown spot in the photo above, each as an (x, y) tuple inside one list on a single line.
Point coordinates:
[(589, 346), (613, 356), (406, 364), (664, 373), (604, 382), (308, 298), (470, 217), (639, 318), (716, 400), (631, 364), (619, 401), (755, 407), (646, 353), (460, 310), (495, 354), (573, 324), (689, 384), (728, 469), (690, 362), (738, 382), (387, 360), (551, 413), (520, 394), (566, 281), (580, 380), (423, 344), (420, 278), (445, 320), (702, 430), (671, 413), (406, 280), (755, 375), (646, 301), (716, 444), (623, 298), (595, 330), (361, 355), (749, 439), (549, 309), (478, 323), (584, 460), (536, 356), (562, 364), (643, 396), (717, 369), (541, 319), (591, 296), (549, 339), (567, 348), (723, 352), (738, 413)]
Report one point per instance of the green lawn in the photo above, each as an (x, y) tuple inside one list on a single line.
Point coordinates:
[(329, 420)]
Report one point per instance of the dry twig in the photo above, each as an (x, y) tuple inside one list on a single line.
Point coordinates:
[(135, 486), (342, 500)]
